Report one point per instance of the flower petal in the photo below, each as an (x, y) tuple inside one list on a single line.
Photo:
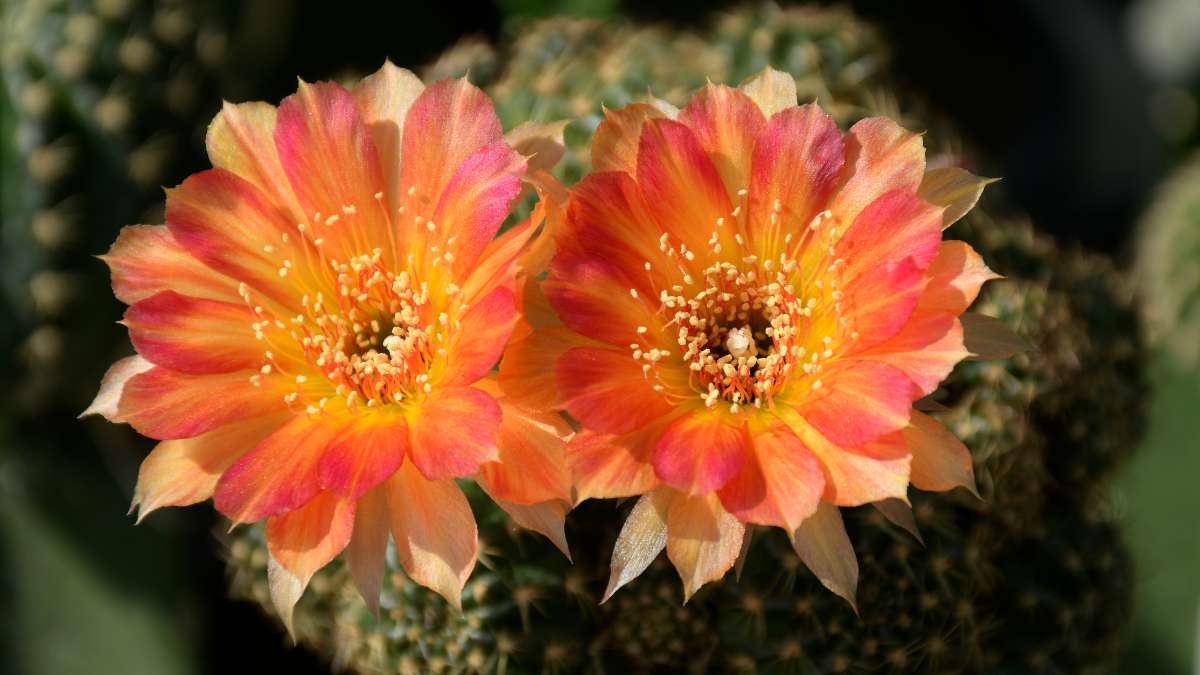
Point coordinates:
[(476, 201), (700, 452), (604, 466), (780, 483), (277, 475), (615, 143), (364, 454), (940, 461), (447, 123), (112, 386), (194, 335), (607, 219), (703, 540), (547, 518), (926, 349), (477, 344), (859, 401), (453, 432), (185, 471), (541, 142), (606, 390), (989, 338), (146, 259), (330, 160), (771, 90), (822, 544), (165, 404), (225, 222), (527, 370), (241, 140), (795, 163), (306, 539), (900, 514), (955, 277), (595, 298), (881, 156), (880, 304), (896, 226), (861, 476), (726, 122), (434, 530), (367, 551), (384, 99), (643, 536), (680, 185), (954, 188), (533, 464)]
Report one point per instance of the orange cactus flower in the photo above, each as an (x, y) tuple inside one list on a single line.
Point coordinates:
[(751, 302), (315, 325)]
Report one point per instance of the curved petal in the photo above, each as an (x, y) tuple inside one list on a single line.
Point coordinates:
[(607, 219), (955, 277), (527, 369), (822, 544), (604, 466), (926, 349), (881, 156), (859, 401), (533, 464), (896, 226), (857, 477), (726, 122), (277, 475), (615, 143), (940, 461), (643, 536), (476, 201), (703, 540), (479, 341), (241, 140), (548, 518), (367, 551), (699, 452), (112, 386), (594, 298), (795, 164), (680, 185), (878, 305), (305, 540), (453, 432), (229, 225), (146, 259), (330, 160), (364, 454), (954, 188), (434, 530), (384, 99), (606, 390), (185, 471), (771, 90), (166, 404), (194, 335), (780, 483), (448, 122)]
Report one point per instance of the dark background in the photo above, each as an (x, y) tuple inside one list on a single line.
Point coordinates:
[(1072, 100)]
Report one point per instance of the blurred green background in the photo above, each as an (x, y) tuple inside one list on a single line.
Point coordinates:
[(1086, 106)]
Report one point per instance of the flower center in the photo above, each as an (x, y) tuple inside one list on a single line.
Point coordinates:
[(746, 329)]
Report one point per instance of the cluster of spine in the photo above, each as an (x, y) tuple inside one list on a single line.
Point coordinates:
[(107, 101), (1033, 578)]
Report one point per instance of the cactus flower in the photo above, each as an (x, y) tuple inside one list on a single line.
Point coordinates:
[(751, 302), (315, 325)]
